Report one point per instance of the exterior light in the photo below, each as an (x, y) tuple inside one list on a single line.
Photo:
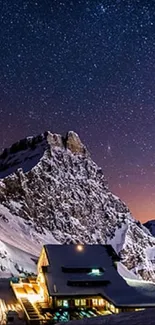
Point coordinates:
[(79, 248), (95, 271)]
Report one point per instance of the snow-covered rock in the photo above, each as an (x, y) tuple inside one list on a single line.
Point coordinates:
[(51, 190)]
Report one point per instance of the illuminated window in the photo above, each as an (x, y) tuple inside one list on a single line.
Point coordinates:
[(65, 303), (107, 304), (77, 302), (95, 271), (112, 308), (59, 303), (83, 302), (94, 301), (101, 302), (116, 310)]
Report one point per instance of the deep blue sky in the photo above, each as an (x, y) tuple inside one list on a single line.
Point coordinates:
[(87, 66)]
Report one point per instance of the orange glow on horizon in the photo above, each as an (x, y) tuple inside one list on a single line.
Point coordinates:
[(140, 203)]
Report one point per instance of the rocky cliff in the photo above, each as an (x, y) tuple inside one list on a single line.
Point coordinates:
[(52, 191)]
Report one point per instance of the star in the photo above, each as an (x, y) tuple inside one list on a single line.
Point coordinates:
[(86, 66), (103, 9)]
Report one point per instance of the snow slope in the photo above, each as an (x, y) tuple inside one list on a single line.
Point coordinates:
[(51, 190), (20, 245)]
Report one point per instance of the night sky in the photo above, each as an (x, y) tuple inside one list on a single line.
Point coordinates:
[(87, 66)]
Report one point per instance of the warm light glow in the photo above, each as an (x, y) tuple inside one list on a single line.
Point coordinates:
[(95, 302), (59, 303), (3, 307), (77, 302), (101, 302), (79, 248), (41, 278), (33, 298), (83, 302), (26, 290), (41, 294)]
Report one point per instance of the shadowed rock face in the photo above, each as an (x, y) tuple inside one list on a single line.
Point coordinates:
[(51, 183), (150, 225)]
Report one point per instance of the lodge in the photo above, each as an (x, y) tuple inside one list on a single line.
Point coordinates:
[(75, 277)]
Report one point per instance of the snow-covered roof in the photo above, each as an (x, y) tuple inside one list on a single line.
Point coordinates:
[(112, 286)]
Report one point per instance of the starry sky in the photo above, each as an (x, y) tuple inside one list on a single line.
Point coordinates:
[(87, 66)]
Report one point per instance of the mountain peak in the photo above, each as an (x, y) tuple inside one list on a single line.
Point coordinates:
[(27, 152), (50, 186), (74, 144), (71, 142)]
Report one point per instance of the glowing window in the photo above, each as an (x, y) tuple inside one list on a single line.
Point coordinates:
[(83, 302), (112, 308), (95, 302), (59, 303), (95, 271), (101, 302), (107, 305), (77, 302), (65, 303)]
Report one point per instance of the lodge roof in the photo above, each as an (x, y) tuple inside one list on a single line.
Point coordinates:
[(70, 269)]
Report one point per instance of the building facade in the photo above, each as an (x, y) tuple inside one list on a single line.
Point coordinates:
[(84, 276)]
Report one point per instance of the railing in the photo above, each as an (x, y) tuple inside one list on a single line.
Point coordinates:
[(30, 310)]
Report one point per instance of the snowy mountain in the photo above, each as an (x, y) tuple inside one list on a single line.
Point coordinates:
[(150, 225), (20, 244), (52, 191)]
